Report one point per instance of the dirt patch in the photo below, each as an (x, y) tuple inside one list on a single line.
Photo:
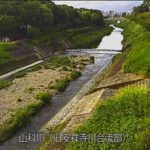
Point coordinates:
[(26, 89), (117, 66)]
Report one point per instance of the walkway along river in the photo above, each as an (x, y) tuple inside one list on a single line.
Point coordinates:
[(102, 60)]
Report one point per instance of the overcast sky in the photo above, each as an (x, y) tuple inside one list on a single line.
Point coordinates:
[(102, 5)]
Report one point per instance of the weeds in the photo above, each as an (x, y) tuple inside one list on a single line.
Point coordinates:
[(21, 74), (127, 113), (61, 85), (45, 97), (5, 83)]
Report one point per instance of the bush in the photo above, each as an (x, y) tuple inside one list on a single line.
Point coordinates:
[(75, 74), (44, 97), (19, 100), (65, 68), (92, 59), (5, 83), (61, 85)]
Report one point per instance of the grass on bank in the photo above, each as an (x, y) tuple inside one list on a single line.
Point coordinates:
[(90, 39), (138, 46), (5, 48), (21, 118), (128, 113)]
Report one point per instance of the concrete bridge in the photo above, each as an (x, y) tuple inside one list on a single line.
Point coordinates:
[(94, 51)]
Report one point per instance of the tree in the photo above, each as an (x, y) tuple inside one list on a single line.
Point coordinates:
[(8, 26), (27, 16), (124, 14), (140, 9)]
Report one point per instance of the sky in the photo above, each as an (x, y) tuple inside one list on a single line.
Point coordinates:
[(102, 5)]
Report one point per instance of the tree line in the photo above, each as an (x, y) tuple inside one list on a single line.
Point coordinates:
[(20, 19)]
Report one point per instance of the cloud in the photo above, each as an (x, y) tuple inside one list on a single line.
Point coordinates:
[(103, 5)]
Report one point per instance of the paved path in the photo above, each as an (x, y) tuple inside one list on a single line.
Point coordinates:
[(4, 76)]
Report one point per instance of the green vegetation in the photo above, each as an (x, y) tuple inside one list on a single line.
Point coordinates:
[(23, 116), (5, 49), (128, 113), (61, 84), (140, 9), (36, 68), (143, 19), (92, 59), (54, 28), (19, 119), (60, 61), (5, 83), (21, 74), (19, 100), (65, 68), (30, 89), (141, 15), (44, 97), (67, 64), (137, 44), (15, 22), (75, 74), (79, 37), (90, 39)]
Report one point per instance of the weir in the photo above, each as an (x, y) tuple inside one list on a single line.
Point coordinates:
[(94, 51)]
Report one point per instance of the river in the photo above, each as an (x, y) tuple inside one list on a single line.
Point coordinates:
[(112, 41), (102, 60)]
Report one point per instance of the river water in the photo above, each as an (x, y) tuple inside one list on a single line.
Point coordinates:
[(112, 42)]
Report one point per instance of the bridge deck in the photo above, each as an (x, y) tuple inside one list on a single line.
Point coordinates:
[(95, 51)]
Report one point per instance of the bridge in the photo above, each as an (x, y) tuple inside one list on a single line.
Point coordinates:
[(94, 51)]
